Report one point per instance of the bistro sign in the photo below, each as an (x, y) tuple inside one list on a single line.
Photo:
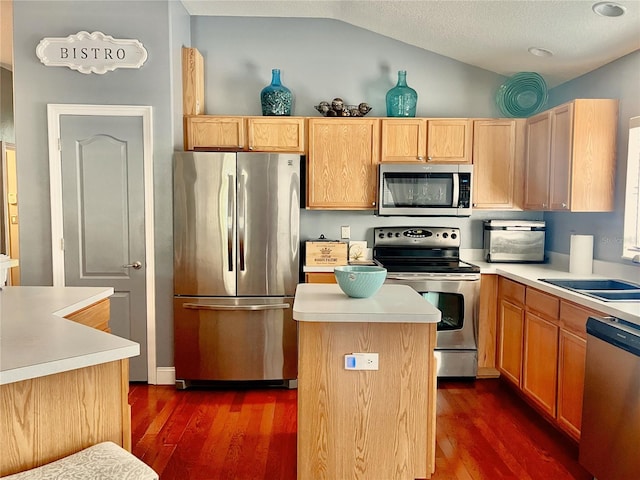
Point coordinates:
[(91, 52)]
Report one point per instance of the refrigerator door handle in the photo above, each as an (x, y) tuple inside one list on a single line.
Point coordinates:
[(242, 218), (230, 196), (198, 306)]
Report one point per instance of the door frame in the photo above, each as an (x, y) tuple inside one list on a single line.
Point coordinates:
[(54, 112)]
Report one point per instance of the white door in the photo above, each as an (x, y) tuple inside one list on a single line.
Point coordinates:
[(102, 177)]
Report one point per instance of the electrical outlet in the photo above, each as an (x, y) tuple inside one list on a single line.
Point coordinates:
[(345, 231), (361, 361)]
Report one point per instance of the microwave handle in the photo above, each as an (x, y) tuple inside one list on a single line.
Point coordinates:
[(456, 190)]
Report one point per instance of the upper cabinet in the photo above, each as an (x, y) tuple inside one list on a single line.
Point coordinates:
[(570, 160), (259, 134), (498, 159), (212, 132), (342, 163), (426, 140), (276, 134), (449, 140)]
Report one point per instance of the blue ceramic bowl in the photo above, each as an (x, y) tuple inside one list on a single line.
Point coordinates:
[(360, 281)]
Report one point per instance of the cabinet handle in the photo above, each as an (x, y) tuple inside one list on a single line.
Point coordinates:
[(373, 204), (564, 205), (429, 159), (421, 158)]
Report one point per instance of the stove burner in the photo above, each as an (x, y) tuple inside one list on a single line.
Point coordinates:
[(420, 250)]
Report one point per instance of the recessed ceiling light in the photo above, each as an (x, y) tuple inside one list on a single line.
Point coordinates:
[(608, 9), (540, 52)]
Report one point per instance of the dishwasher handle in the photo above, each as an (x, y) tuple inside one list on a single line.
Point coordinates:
[(615, 331)]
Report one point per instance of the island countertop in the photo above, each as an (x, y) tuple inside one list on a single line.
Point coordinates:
[(36, 341), (391, 304)]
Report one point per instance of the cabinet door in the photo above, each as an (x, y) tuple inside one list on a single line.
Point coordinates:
[(540, 362), (571, 365), (276, 134), (404, 140), (449, 141), (561, 154), (593, 160), (511, 319), (342, 163), (496, 164), (536, 188), (320, 277), (204, 131), (95, 316)]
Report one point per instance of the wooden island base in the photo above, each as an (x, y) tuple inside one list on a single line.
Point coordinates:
[(365, 424)]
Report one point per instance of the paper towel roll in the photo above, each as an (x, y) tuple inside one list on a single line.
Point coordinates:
[(581, 254)]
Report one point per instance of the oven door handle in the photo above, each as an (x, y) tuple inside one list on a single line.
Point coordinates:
[(445, 278)]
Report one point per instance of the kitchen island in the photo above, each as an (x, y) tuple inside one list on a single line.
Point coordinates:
[(63, 385), (363, 424)]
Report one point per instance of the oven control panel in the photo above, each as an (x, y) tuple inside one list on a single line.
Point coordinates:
[(435, 237)]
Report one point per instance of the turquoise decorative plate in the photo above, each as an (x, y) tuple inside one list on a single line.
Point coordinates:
[(522, 95)]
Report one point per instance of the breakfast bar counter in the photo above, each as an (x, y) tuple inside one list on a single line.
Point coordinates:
[(361, 424), (63, 385)]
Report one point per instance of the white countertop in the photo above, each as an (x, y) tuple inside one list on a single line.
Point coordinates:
[(36, 341), (317, 302), (530, 273)]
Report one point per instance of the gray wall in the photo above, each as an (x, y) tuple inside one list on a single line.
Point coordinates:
[(619, 79), (37, 85), (321, 59)]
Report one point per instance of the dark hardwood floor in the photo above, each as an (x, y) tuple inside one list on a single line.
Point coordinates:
[(484, 432)]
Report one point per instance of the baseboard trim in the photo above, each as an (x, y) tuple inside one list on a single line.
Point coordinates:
[(165, 376)]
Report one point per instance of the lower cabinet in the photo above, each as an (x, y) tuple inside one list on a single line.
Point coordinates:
[(95, 315), (511, 327), (542, 351), (540, 362), (319, 277)]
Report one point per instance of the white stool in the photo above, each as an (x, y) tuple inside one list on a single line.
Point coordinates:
[(105, 461)]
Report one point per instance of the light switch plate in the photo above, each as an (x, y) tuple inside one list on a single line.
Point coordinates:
[(345, 231)]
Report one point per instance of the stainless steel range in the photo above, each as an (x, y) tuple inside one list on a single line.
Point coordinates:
[(428, 260)]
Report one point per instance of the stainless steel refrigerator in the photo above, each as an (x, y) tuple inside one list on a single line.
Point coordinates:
[(236, 266)]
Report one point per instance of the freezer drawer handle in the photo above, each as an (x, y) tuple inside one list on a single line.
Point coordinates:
[(197, 306)]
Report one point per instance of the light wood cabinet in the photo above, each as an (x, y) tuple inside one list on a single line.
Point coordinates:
[(498, 160), (571, 365), (403, 140), (192, 82), (511, 327), (342, 163), (320, 277), (94, 316), (281, 134), (544, 337), (259, 134), (214, 132), (449, 140), (540, 361), (488, 327), (570, 160), (431, 140)]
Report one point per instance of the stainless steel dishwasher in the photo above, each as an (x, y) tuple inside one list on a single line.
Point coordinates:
[(610, 433)]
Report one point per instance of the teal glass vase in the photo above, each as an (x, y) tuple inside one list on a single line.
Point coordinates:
[(276, 99), (402, 99)]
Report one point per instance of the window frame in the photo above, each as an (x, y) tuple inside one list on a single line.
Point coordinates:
[(631, 229)]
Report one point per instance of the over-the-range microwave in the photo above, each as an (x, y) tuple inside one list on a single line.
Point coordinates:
[(419, 189)]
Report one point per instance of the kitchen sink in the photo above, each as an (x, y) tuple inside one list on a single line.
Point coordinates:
[(607, 290)]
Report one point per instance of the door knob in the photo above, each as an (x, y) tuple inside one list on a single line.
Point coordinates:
[(134, 265)]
